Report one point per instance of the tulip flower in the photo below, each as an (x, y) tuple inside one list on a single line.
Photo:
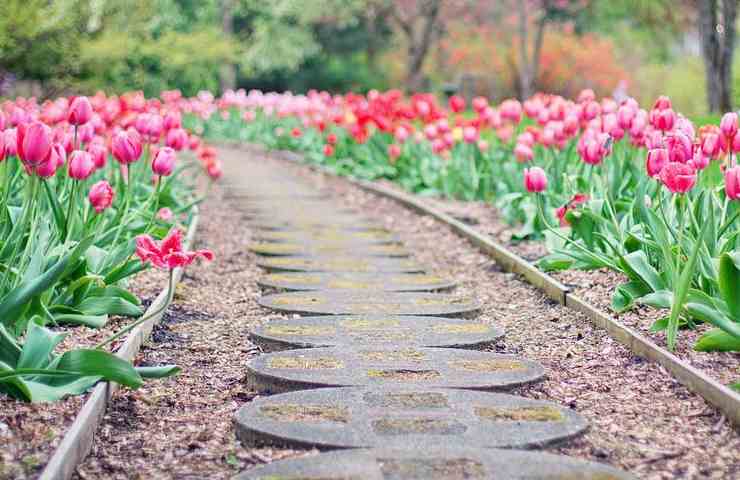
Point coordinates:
[(331, 139), (678, 177), (56, 159), (657, 158), (470, 134), (80, 111), (81, 165), (99, 154), (164, 162), (728, 125), (126, 147), (662, 120), (482, 145), (177, 139), (523, 152), (214, 170), (33, 143), (328, 150), (165, 214), (679, 147), (457, 103), (711, 146), (535, 180), (101, 196), (168, 254), (732, 183), (394, 151)]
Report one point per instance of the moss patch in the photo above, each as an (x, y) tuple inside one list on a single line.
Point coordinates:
[(350, 285), (296, 278), (300, 330), (487, 365), (291, 412), (466, 328), (365, 324), (409, 355), (298, 363), (417, 279), (428, 426), (299, 300), (520, 414), (407, 400), (404, 375), (431, 469)]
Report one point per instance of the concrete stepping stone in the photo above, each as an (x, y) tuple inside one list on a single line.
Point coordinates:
[(385, 331), (269, 222), (403, 418), (337, 302), (434, 463), (327, 235), (340, 264), (383, 367), (390, 282), (297, 249)]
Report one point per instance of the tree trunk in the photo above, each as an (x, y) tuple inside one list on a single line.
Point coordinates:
[(420, 33), (525, 74), (717, 31), (227, 72)]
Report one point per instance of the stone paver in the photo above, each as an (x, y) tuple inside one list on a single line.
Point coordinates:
[(434, 463), (326, 248), (390, 282), (388, 366), (327, 235), (354, 331), (331, 263)]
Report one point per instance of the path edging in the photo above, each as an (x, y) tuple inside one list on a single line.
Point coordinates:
[(715, 393), (78, 439)]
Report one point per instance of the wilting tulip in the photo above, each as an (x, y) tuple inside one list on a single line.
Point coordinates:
[(732, 183), (80, 111), (33, 143), (678, 177), (657, 158), (728, 125), (164, 163), (81, 165), (126, 147), (101, 196), (177, 139), (535, 180)]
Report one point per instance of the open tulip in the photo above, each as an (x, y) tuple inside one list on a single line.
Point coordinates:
[(164, 162), (101, 196), (535, 180), (678, 177), (168, 254), (81, 165), (80, 111)]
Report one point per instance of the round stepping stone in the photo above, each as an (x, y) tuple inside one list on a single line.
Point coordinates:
[(402, 417), (434, 463), (390, 282), (377, 366), (326, 235), (364, 331), (338, 302), (296, 249), (339, 264)]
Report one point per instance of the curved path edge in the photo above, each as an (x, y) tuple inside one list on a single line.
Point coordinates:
[(78, 439), (720, 396)]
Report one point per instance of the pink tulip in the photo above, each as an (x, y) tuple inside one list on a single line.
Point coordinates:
[(535, 180), (56, 159), (10, 138), (99, 154), (19, 116), (662, 103), (165, 214), (657, 158), (2, 121), (480, 104), (511, 110), (470, 134), (2, 147), (625, 115), (80, 111), (177, 138), (164, 162), (699, 160), (173, 120), (679, 147), (678, 177), (81, 165), (328, 150), (729, 124), (732, 183), (711, 146), (167, 254), (101, 196), (662, 120), (457, 103), (85, 133), (394, 151), (126, 147), (214, 170), (482, 145), (523, 152), (33, 143)]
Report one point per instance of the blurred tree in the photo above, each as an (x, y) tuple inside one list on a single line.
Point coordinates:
[(717, 29)]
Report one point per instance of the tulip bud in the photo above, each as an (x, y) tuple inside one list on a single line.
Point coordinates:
[(101, 196), (80, 111), (328, 150), (535, 180), (99, 154), (523, 152), (177, 139), (394, 151), (729, 124), (164, 162), (732, 183), (126, 147), (33, 143), (81, 165), (657, 158), (56, 159), (457, 103), (165, 214), (470, 134)]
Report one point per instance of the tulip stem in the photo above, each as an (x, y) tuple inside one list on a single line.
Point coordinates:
[(144, 318), (72, 195)]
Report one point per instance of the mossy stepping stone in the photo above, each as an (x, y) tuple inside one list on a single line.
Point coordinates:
[(340, 264), (434, 463), (338, 302), (390, 282), (404, 418), (389, 366), (376, 330), (327, 235), (293, 249)]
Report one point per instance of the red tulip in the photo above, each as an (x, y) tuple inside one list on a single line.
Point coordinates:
[(328, 150), (732, 183), (80, 111), (164, 162), (657, 158), (33, 143), (214, 170), (331, 139), (678, 177), (81, 165), (168, 254), (535, 180), (457, 103), (101, 196), (126, 147)]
